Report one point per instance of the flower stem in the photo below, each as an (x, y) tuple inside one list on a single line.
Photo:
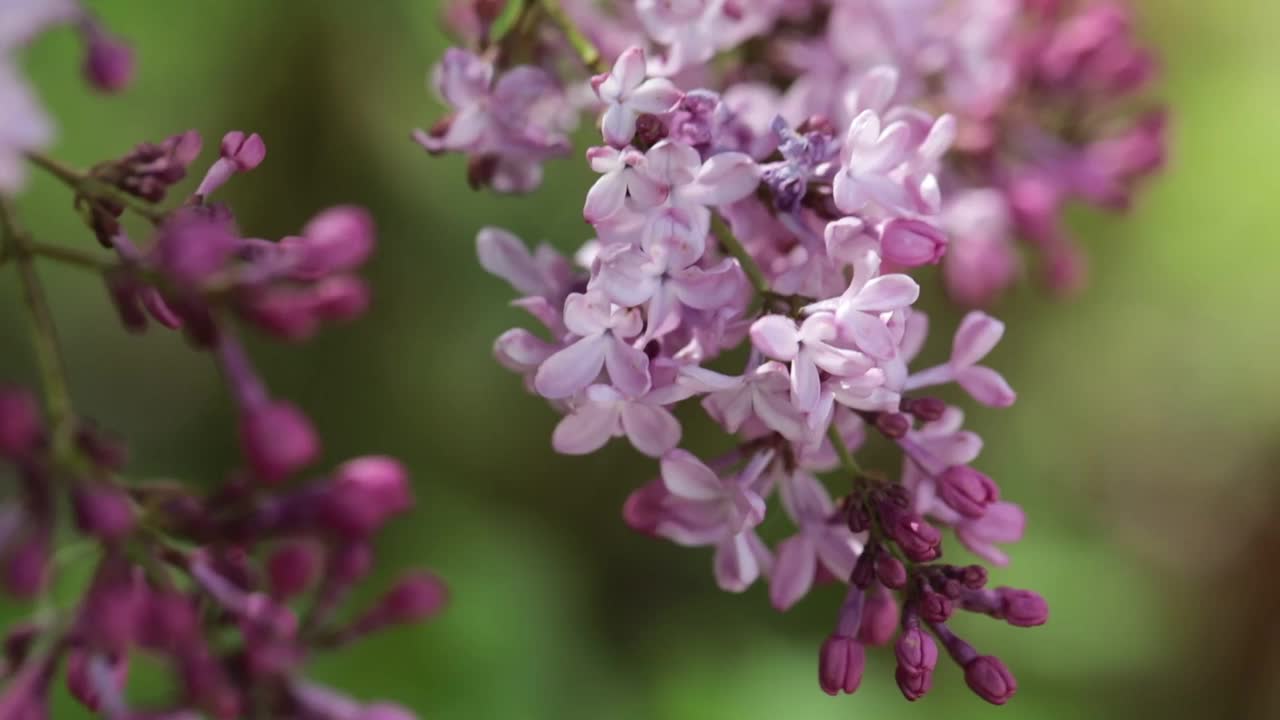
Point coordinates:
[(842, 451), (730, 243), (93, 189), (587, 51), (71, 256), (44, 335)]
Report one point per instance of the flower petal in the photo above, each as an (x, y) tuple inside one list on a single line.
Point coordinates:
[(736, 567), (586, 429), (885, 293), (655, 95), (503, 254), (868, 332), (776, 336), (986, 386), (572, 368), (976, 336), (686, 477), (793, 571), (605, 197), (618, 125), (628, 367), (652, 430)]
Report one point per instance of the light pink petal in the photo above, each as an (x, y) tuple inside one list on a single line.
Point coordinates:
[(462, 78), (626, 275), (747, 510), (736, 566), (644, 192), (839, 361), (915, 332), (465, 131), (730, 408), (863, 133), (628, 367), (708, 289), (572, 369), (504, 255), (848, 192), (604, 159), (838, 551), (805, 499), (776, 336), (1003, 522), (940, 138), (847, 238), (605, 197), (777, 412), (976, 336), (520, 350), (804, 382), (986, 386), (686, 477), (586, 429), (885, 293), (656, 96), (678, 234), (672, 163), (586, 314), (869, 333), (876, 88), (704, 380), (618, 125), (725, 178), (629, 70), (890, 150), (793, 571), (652, 430)]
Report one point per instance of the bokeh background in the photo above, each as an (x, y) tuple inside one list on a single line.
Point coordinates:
[(1143, 446)]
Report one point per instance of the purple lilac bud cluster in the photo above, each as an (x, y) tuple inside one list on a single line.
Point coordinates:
[(778, 201), (232, 585)]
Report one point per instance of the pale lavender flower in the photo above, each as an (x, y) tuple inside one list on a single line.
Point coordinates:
[(602, 332), (820, 540), (976, 336), (627, 94)]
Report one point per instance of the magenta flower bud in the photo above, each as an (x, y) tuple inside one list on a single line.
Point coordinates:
[(340, 298), (879, 619), (913, 685), (974, 577), (87, 672), (891, 572), (864, 570), (841, 662), (172, 622), (893, 425), (340, 238), (291, 569), (278, 440), (1023, 608), (102, 511), (285, 312), (108, 63), (911, 243), (416, 597), (935, 607), (967, 491), (25, 566), (990, 679), (916, 651), (365, 493), (246, 151), (917, 538), (349, 562), (21, 429), (925, 409), (192, 246)]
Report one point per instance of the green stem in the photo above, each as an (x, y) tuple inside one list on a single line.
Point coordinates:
[(44, 335), (586, 50), (842, 451), (71, 256), (94, 189), (730, 243)]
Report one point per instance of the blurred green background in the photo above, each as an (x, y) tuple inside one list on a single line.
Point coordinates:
[(1143, 446)]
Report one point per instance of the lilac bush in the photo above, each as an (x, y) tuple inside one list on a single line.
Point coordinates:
[(774, 177), (234, 582)]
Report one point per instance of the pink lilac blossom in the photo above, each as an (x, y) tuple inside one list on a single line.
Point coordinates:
[(771, 177), (204, 578)]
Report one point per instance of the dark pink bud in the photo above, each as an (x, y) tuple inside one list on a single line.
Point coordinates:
[(292, 569), (841, 662), (916, 651), (192, 245), (893, 425), (917, 538), (879, 619), (365, 493), (350, 561), (967, 491), (102, 511), (913, 685), (340, 238), (891, 572), (935, 607), (1022, 608), (20, 426), (278, 440), (171, 622), (974, 577), (645, 507), (911, 243), (864, 570), (25, 566), (108, 63), (926, 409), (286, 312), (246, 151), (990, 679), (416, 597), (344, 297)]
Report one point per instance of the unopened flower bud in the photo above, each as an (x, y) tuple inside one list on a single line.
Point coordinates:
[(20, 426), (935, 607), (990, 679), (879, 618), (364, 493), (910, 243), (108, 62), (967, 491), (841, 662), (102, 511), (1023, 608), (278, 440), (890, 571), (893, 425), (291, 569)]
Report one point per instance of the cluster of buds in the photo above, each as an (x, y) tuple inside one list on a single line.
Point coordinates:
[(232, 585), (777, 202)]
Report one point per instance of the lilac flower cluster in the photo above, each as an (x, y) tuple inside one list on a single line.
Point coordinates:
[(776, 201), (233, 585)]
